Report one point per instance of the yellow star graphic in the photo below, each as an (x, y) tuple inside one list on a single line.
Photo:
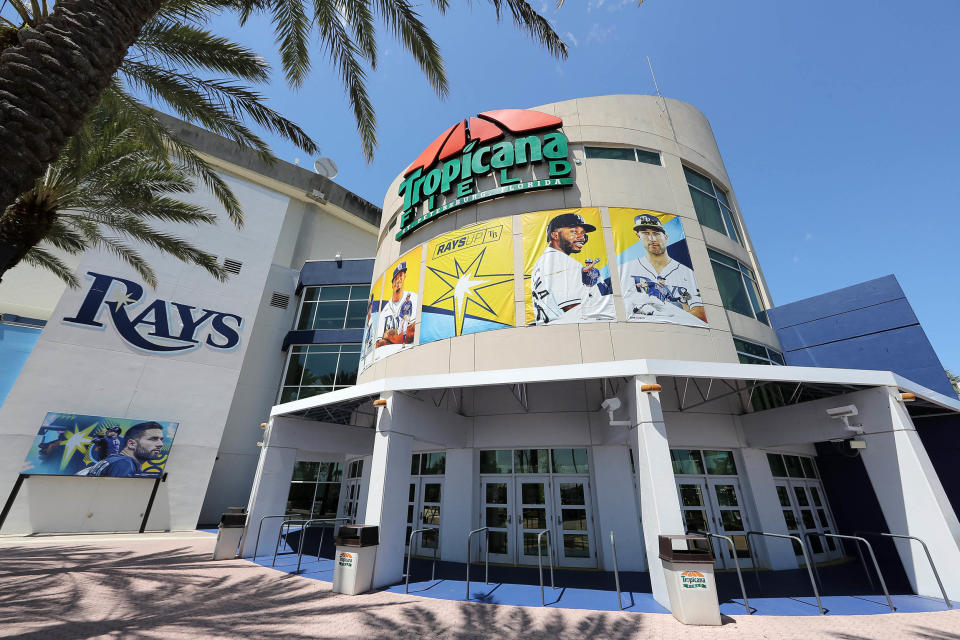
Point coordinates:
[(122, 299), (464, 287), (78, 440)]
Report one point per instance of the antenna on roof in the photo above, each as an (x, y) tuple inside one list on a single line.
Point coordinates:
[(326, 168), (659, 95)]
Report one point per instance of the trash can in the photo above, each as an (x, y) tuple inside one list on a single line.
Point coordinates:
[(688, 567), (229, 533), (356, 554)]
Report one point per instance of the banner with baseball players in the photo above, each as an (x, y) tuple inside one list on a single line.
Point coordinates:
[(70, 444), (371, 323), (656, 273), (565, 270), (399, 305), (469, 281)]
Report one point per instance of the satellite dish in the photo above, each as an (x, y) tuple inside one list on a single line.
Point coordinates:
[(326, 168)]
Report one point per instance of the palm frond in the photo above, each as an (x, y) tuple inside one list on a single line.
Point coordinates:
[(43, 259), (293, 29), (407, 26), (527, 18)]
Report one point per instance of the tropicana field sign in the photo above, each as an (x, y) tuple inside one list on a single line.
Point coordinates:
[(469, 150)]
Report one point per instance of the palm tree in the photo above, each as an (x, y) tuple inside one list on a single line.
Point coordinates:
[(104, 190), (171, 61), (954, 380), (57, 72)]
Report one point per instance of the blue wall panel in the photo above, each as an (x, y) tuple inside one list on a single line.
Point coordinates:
[(16, 343)]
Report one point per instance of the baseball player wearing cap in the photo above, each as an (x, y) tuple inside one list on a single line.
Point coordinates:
[(398, 315), (564, 290), (657, 288)]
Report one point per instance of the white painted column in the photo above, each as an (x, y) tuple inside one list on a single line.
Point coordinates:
[(457, 506), (766, 514), (913, 500), (271, 486), (659, 504), (617, 510), (389, 490)]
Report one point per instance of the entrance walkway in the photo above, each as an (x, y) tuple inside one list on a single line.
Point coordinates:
[(164, 586)]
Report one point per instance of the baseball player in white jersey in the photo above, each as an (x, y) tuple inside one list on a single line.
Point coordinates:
[(564, 290), (398, 315), (657, 288)]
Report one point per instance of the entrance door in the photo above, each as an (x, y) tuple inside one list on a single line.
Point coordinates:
[(574, 540), (351, 499), (535, 506), (423, 511), (805, 511), (497, 514), (715, 506)]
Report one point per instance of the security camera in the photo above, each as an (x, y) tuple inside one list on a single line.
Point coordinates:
[(845, 413), (611, 404)]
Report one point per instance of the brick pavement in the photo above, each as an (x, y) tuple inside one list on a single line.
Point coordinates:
[(166, 586)]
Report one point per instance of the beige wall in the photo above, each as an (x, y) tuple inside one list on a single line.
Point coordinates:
[(683, 136)]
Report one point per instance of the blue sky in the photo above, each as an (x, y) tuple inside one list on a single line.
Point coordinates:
[(837, 120)]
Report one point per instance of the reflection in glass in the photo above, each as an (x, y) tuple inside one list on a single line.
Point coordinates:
[(690, 495), (497, 493), (497, 541), (531, 461), (306, 471), (794, 466), (431, 492), (576, 545), (574, 519), (731, 520), (720, 463), (496, 517), (534, 518), (431, 515), (532, 493), (571, 493), (530, 544), (686, 461), (695, 520), (570, 461), (300, 499), (430, 539), (499, 461), (726, 495), (433, 464), (326, 499)]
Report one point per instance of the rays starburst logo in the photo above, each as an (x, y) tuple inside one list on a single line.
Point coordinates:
[(466, 287)]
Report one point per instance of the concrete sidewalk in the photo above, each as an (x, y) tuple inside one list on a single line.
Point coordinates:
[(166, 586)]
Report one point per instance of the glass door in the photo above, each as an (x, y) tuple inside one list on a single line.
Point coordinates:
[(805, 512), (574, 540), (535, 515), (351, 500), (423, 511), (497, 514), (729, 520)]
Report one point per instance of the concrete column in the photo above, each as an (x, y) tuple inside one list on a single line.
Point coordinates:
[(616, 510), (389, 490), (767, 515), (913, 500), (271, 486), (457, 507), (659, 504)]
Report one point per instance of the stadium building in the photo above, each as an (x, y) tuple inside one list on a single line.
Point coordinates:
[(565, 328)]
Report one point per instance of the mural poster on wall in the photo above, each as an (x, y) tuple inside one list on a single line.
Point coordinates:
[(566, 278), (400, 305), (469, 281), (371, 323), (656, 273), (70, 444)]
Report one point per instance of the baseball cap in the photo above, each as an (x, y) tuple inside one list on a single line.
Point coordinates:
[(569, 220), (647, 221), (399, 268)]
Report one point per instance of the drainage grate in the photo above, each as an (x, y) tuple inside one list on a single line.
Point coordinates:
[(233, 266), (279, 300)]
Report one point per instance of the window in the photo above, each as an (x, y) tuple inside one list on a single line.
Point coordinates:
[(428, 464), (711, 204), (319, 368), (336, 307), (738, 286), (355, 469), (542, 461), (788, 466), (753, 353), (697, 462), (630, 154), (315, 489)]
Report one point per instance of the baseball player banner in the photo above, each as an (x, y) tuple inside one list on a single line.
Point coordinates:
[(469, 281), (399, 306), (656, 274), (371, 324), (566, 275), (70, 444)]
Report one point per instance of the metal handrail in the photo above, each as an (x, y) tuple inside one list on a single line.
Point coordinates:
[(256, 546), (736, 563), (433, 571), (806, 557), (487, 575), (872, 557), (616, 571), (926, 550), (323, 530), (540, 562), (303, 536), (285, 523)]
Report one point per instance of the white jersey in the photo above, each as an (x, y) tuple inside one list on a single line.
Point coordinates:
[(647, 300), (557, 282), (398, 316)]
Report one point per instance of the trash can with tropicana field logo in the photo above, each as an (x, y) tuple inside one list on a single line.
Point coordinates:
[(354, 559), (688, 567)]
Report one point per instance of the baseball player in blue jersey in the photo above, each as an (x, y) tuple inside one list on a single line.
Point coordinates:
[(398, 314), (563, 290), (141, 443), (657, 288)]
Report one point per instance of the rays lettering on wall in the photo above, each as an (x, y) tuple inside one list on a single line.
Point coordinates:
[(158, 327)]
